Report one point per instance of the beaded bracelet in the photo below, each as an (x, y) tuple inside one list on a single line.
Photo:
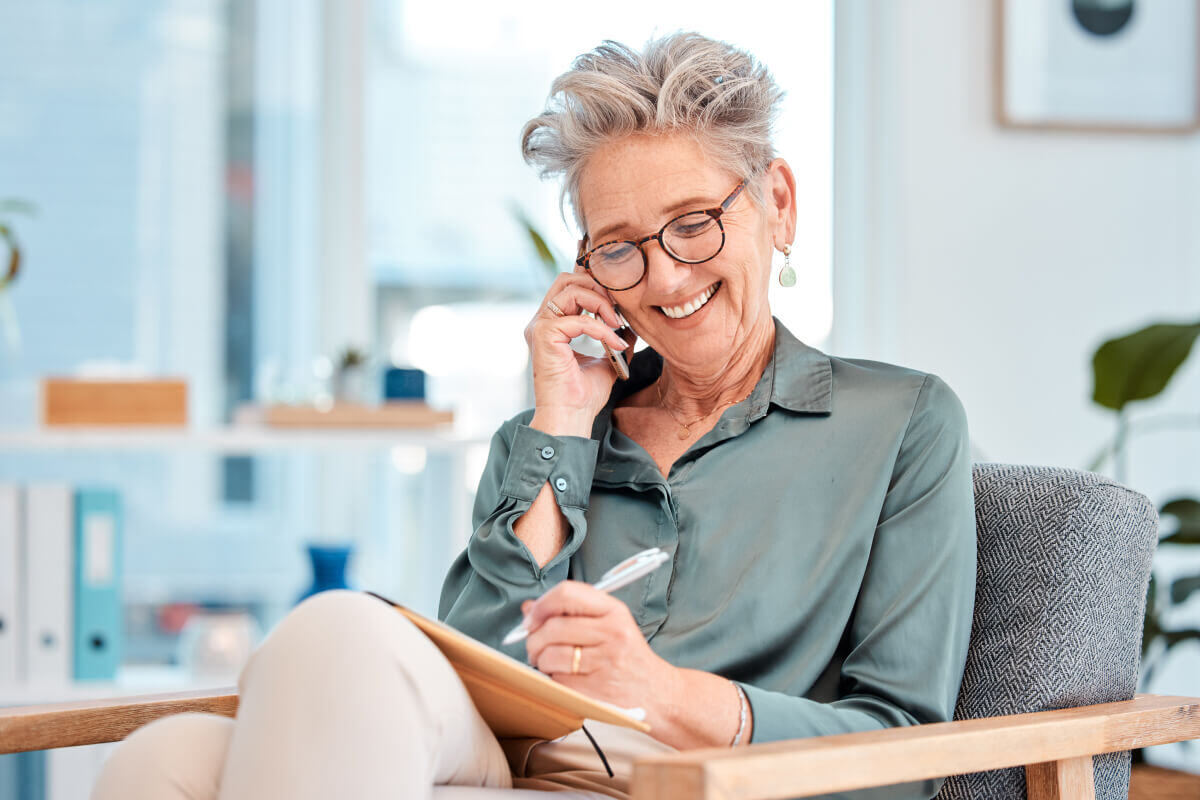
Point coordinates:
[(737, 738)]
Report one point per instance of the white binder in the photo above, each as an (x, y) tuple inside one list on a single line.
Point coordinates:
[(49, 528), (11, 634)]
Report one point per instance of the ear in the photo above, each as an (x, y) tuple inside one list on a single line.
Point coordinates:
[(779, 189)]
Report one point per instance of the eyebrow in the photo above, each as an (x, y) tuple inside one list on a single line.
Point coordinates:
[(691, 201)]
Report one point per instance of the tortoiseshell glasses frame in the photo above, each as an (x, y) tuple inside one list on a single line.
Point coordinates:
[(675, 224)]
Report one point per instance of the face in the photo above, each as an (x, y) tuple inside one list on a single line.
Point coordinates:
[(630, 187)]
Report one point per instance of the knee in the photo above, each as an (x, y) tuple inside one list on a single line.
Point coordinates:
[(341, 626), (179, 756)]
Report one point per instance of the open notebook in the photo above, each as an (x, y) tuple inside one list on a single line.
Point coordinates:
[(514, 699)]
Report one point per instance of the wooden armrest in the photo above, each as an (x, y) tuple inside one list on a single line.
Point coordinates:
[(1058, 744), (42, 727)]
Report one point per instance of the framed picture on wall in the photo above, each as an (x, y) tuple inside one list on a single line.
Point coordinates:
[(1116, 65)]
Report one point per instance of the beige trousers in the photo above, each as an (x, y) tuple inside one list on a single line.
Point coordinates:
[(348, 699)]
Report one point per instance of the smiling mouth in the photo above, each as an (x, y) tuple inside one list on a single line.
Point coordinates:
[(692, 306)]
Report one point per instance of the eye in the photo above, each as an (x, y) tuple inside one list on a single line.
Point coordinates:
[(692, 225), (613, 253)]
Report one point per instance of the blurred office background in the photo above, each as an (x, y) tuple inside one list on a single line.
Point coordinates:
[(235, 192)]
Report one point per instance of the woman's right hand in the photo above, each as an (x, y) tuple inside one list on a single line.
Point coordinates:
[(570, 388)]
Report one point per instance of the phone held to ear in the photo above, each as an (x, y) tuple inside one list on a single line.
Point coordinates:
[(585, 345), (617, 360)]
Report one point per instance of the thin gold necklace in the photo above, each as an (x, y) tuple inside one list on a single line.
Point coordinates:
[(685, 427)]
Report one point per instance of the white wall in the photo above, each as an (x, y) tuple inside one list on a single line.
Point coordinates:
[(999, 259)]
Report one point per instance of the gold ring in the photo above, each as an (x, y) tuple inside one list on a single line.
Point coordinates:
[(575, 659), (554, 309)]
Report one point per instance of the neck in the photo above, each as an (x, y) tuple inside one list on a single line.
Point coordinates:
[(692, 395)]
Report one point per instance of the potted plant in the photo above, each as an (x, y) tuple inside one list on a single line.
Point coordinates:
[(350, 377), (10, 266), (1129, 369)]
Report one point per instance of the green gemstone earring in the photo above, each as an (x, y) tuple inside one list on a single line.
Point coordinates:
[(787, 275)]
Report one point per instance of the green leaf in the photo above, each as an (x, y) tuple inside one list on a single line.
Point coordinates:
[(1179, 637), (1187, 512), (1139, 365), (545, 254), (8, 272), (12, 205), (1183, 588)]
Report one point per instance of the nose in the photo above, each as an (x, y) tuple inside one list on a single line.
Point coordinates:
[(664, 275)]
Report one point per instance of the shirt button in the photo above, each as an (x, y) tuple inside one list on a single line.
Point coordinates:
[(547, 452), (560, 484)]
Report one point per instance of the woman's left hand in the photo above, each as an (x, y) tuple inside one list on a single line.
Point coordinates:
[(616, 663)]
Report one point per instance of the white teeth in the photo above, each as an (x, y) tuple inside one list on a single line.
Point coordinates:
[(692, 306)]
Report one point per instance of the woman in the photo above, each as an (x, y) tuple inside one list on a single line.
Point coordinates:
[(818, 511)]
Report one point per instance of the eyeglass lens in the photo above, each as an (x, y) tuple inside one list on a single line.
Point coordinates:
[(691, 238)]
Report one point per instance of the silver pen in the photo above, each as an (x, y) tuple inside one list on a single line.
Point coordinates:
[(622, 574)]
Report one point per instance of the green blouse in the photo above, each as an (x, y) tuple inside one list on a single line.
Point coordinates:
[(822, 538)]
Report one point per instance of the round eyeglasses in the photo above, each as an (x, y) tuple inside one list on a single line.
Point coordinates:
[(691, 238)]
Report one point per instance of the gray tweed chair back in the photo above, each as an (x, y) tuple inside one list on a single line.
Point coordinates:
[(1064, 561)]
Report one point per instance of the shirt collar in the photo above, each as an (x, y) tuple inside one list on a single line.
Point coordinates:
[(798, 378)]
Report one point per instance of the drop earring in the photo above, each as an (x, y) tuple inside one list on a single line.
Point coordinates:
[(787, 275)]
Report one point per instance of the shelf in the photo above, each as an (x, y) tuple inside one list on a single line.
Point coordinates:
[(234, 439), (131, 679)]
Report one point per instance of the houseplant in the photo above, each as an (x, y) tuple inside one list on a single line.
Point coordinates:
[(10, 266), (1129, 369)]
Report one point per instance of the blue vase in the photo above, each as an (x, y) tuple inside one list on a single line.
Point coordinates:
[(328, 568)]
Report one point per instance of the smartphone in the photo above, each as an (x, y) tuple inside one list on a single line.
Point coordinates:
[(617, 360)]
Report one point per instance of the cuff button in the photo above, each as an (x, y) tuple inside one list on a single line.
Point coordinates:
[(560, 484), (547, 452)]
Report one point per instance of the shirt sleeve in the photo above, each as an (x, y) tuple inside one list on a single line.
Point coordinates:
[(912, 620), (486, 584)]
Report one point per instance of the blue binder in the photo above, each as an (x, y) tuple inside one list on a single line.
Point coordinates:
[(97, 580)]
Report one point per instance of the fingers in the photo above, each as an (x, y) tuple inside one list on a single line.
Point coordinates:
[(557, 659), (587, 631), (571, 599), (558, 633), (564, 329), (576, 297)]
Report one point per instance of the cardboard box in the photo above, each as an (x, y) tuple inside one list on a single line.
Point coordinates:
[(70, 401)]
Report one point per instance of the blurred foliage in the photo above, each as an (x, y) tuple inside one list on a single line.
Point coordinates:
[(1140, 366), (546, 255), (351, 357), (9, 207), (10, 267)]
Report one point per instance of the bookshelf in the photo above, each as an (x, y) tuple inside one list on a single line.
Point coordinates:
[(239, 582), (231, 440), (131, 679)]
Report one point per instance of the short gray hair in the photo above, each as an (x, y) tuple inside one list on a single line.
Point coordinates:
[(684, 82)]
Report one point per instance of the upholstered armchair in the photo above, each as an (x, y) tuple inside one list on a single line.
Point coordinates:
[(1047, 707)]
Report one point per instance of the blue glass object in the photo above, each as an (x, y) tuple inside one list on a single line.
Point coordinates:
[(328, 568), (401, 383)]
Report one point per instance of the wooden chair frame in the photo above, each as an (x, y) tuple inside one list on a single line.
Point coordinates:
[(1055, 747)]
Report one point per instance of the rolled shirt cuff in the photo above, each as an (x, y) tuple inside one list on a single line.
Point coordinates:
[(566, 462)]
